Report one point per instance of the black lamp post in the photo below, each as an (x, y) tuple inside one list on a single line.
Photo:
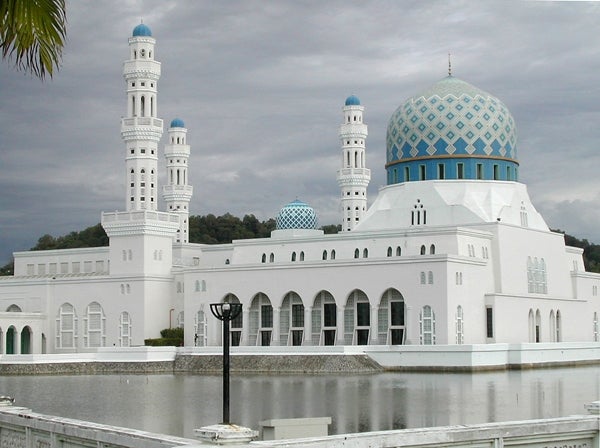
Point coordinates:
[(226, 312)]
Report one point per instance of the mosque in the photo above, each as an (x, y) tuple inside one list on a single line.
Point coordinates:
[(452, 251)]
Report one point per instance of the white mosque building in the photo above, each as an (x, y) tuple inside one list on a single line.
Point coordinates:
[(452, 251)]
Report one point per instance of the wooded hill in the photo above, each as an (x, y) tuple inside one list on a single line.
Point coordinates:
[(211, 229)]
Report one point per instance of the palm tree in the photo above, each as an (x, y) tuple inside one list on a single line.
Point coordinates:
[(32, 33)]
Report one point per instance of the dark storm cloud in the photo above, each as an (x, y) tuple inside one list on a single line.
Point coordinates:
[(260, 85)]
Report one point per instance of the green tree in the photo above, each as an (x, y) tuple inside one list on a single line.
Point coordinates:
[(32, 34)]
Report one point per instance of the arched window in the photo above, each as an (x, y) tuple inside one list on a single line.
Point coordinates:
[(197, 288), (356, 253), (66, 327), (430, 278), (398, 251), (423, 278), (324, 255), (142, 106), (203, 285), (200, 330), (365, 253), (595, 326), (427, 326), (558, 326), (264, 258), (271, 257), (423, 250), (124, 329), (180, 319), (293, 256), (333, 254), (389, 251), (432, 249), (94, 326), (14, 308), (538, 326), (302, 256)]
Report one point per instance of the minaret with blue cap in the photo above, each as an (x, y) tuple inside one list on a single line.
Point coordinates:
[(177, 193), (141, 130), (353, 178)]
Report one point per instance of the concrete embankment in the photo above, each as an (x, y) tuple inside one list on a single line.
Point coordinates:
[(192, 364), (306, 360)]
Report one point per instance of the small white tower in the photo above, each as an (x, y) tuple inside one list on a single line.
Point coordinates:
[(177, 193), (353, 178), (141, 130)]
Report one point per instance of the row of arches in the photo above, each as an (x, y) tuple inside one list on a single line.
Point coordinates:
[(554, 326), (14, 342), (324, 322)]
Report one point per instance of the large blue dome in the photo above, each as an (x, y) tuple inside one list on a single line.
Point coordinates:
[(453, 130), (177, 123), (142, 30), (352, 100), (296, 215)]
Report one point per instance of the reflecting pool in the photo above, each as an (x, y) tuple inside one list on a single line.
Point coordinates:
[(177, 404)]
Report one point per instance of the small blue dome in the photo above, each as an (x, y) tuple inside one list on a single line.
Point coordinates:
[(296, 215), (142, 30), (177, 123), (352, 100)]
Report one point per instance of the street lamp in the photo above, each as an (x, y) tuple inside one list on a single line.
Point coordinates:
[(226, 312)]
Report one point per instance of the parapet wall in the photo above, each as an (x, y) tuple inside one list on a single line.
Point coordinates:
[(23, 428)]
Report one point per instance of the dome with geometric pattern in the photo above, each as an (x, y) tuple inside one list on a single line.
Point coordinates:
[(296, 215), (453, 130)]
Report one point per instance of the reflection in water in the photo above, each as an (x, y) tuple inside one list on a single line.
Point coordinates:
[(177, 404)]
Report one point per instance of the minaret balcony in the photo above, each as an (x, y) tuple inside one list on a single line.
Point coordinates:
[(142, 121), (177, 192), (354, 172), (353, 130)]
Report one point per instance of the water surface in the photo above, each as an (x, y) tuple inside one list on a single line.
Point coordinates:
[(176, 404)]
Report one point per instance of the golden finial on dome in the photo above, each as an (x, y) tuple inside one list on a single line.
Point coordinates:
[(449, 65)]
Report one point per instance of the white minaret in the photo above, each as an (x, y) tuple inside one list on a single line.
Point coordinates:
[(177, 193), (140, 129), (353, 178)]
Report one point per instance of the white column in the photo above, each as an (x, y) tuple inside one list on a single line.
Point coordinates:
[(411, 327), (340, 325), (307, 326), (374, 336), (17, 342), (245, 327), (275, 340)]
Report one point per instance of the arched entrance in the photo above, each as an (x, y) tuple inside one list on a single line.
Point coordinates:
[(261, 320), (324, 319), (291, 320), (235, 328), (357, 319), (391, 322), (11, 340), (26, 341)]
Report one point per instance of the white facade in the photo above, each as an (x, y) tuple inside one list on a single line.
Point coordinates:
[(463, 260)]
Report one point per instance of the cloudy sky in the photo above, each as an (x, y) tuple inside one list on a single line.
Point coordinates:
[(260, 86)]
